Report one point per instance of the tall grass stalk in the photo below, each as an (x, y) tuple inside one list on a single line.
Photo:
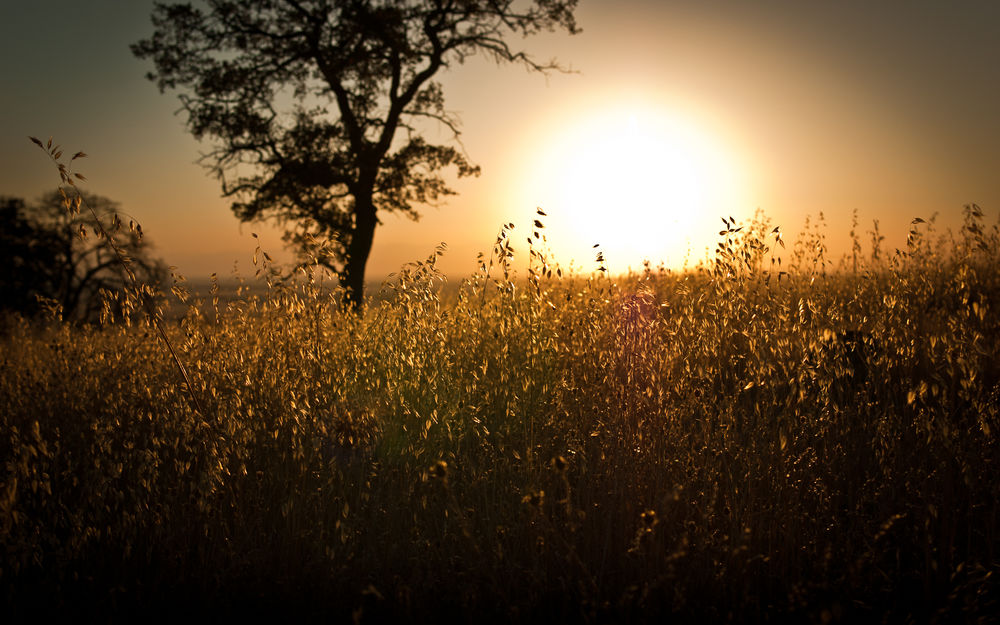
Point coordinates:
[(73, 202)]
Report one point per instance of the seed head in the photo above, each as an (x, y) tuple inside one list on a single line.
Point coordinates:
[(534, 499), (439, 470), (649, 519)]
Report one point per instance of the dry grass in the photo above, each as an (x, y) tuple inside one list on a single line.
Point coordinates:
[(749, 441)]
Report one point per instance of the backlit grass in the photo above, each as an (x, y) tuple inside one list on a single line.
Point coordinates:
[(751, 440)]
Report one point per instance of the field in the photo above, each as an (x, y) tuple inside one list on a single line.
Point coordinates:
[(747, 441)]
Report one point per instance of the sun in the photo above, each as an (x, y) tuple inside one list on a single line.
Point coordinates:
[(642, 184)]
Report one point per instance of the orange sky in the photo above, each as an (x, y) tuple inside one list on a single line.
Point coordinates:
[(792, 107)]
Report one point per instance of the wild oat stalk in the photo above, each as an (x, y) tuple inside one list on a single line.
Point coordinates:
[(73, 202)]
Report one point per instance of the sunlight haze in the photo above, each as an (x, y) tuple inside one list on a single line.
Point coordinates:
[(673, 115), (644, 183)]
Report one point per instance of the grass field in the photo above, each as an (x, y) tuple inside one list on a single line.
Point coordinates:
[(747, 441)]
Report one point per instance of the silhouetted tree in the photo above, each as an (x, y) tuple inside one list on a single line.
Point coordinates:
[(50, 256), (315, 105), (26, 257)]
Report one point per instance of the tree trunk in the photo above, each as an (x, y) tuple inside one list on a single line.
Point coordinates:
[(353, 276)]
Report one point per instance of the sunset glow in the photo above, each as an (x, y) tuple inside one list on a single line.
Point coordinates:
[(671, 116), (527, 311), (642, 183)]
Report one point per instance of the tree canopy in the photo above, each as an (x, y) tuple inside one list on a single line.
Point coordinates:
[(315, 108), (50, 257)]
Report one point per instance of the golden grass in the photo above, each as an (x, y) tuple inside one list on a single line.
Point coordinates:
[(747, 441)]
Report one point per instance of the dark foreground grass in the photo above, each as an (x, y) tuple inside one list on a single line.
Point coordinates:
[(734, 443)]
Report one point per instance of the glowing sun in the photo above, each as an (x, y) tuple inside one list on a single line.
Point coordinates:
[(643, 185)]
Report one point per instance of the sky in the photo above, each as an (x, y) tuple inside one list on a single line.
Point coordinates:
[(674, 115)]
